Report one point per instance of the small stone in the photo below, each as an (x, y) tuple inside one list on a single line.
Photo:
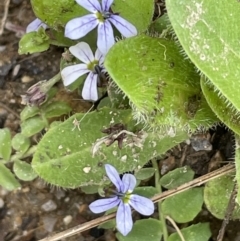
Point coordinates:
[(26, 79), (25, 189), (1, 203), (60, 194), (49, 223), (67, 220), (49, 206)]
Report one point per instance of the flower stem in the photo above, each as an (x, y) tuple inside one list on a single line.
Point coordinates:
[(158, 187)]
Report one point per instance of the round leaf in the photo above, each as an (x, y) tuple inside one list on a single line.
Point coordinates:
[(145, 173), (177, 177), (147, 229), (20, 142), (216, 196), (32, 126), (184, 206), (196, 232), (7, 179), (24, 171)]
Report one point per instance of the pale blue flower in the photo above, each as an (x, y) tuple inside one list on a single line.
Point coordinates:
[(69, 74), (35, 25), (123, 198), (102, 17)]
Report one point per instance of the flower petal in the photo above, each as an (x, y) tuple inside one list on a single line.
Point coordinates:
[(129, 182), (35, 25), (99, 56), (83, 52), (71, 73), (105, 37), (124, 219), (91, 5), (141, 204), (103, 205), (114, 176), (89, 91), (106, 4), (123, 26), (79, 27)]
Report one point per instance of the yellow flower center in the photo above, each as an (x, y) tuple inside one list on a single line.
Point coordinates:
[(91, 65)]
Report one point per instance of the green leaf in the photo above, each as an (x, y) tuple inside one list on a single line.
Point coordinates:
[(108, 224), (56, 13), (69, 157), (177, 177), (196, 232), (210, 41), (227, 114), (148, 192), (23, 171), (137, 12), (216, 196), (5, 144), (185, 206), (90, 189), (164, 98), (32, 126), (34, 42), (29, 111), (7, 179), (56, 109), (146, 229), (145, 173), (20, 142)]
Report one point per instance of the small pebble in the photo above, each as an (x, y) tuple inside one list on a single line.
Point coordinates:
[(66, 199), (67, 219), (1, 203), (60, 194), (49, 223), (49, 206), (26, 79)]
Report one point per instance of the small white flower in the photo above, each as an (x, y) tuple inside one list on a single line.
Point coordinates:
[(69, 74), (35, 25), (102, 17)]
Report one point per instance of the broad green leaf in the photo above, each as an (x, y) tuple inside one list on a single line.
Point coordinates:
[(145, 173), (20, 143), (210, 41), (227, 114), (185, 206), (23, 171), (177, 177), (237, 164), (217, 194), (146, 229), (29, 111), (56, 109), (148, 192), (196, 232), (32, 126), (56, 13), (7, 179), (163, 88), (69, 157), (5, 144), (137, 12), (34, 42)]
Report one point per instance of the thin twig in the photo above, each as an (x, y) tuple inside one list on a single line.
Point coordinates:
[(176, 227), (196, 182), (4, 18), (9, 110)]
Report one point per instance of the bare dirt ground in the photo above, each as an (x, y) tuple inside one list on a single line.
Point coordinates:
[(37, 209)]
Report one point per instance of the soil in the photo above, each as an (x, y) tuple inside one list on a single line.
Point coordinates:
[(36, 209)]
